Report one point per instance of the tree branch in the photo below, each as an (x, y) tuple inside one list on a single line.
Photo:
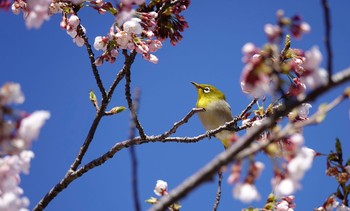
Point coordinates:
[(131, 106), (239, 150), (134, 180), (218, 193), (92, 62), (327, 38)]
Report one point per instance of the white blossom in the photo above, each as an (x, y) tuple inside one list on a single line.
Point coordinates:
[(39, 11), (161, 188), (246, 192), (301, 163), (133, 26), (285, 187), (30, 126), (11, 93), (342, 207), (99, 44)]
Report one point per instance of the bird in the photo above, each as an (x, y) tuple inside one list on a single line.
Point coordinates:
[(217, 111)]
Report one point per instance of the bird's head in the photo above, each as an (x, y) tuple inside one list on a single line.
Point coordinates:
[(207, 94)]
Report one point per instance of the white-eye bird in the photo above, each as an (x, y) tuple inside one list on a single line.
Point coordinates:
[(217, 111)]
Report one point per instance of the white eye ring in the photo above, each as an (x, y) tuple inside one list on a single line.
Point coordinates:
[(206, 90)]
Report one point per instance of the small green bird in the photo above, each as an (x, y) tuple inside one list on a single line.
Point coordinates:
[(217, 111)]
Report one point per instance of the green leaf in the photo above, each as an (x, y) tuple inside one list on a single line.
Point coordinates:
[(339, 149), (176, 206), (117, 109), (92, 96), (152, 200)]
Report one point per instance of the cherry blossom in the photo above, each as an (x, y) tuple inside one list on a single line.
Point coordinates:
[(246, 192), (11, 93), (161, 188), (133, 26), (286, 204)]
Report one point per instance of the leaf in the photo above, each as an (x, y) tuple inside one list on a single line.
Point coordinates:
[(92, 96), (117, 109), (339, 149), (152, 200), (176, 206)]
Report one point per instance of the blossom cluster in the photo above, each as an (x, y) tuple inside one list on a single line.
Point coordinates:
[(129, 37), (17, 131), (141, 29), (266, 68)]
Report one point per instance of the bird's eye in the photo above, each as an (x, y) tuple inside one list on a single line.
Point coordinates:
[(206, 90)]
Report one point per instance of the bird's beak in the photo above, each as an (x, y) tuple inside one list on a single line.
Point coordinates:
[(196, 85)]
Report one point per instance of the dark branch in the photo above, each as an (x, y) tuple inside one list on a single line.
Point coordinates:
[(134, 180), (218, 193), (131, 106), (92, 62), (327, 38)]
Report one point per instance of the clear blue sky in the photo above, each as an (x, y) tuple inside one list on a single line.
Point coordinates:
[(55, 75)]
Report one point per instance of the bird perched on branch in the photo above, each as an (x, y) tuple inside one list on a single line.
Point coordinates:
[(217, 111)]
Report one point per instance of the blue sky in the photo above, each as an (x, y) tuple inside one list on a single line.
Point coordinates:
[(55, 75)]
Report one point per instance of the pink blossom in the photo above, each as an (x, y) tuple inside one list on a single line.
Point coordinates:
[(316, 78), (133, 26), (297, 139), (273, 32), (161, 188), (150, 57), (255, 77), (297, 87), (245, 192), (123, 39), (77, 1), (30, 126), (100, 43), (342, 207), (155, 45), (74, 21), (286, 204), (79, 41), (38, 13), (301, 163), (285, 187), (10, 168), (11, 93), (129, 2), (124, 16), (98, 61), (303, 110)]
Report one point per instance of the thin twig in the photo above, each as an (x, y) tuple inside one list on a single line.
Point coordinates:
[(92, 62), (134, 180), (327, 38), (250, 105), (218, 192), (241, 148), (131, 106)]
